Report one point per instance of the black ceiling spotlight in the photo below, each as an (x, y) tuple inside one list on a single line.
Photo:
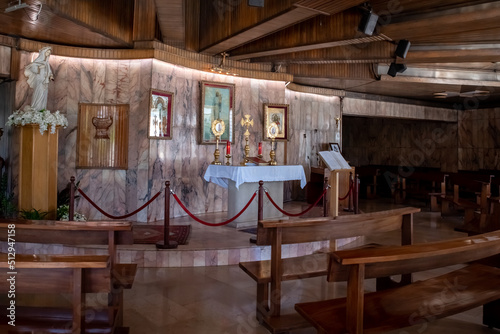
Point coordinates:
[(402, 48), (368, 23), (395, 69), (369, 19)]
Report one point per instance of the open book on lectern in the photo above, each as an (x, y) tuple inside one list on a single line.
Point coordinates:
[(334, 160)]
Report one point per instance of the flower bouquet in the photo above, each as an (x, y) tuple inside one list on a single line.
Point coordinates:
[(44, 118)]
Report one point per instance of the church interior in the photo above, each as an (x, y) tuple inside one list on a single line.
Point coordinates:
[(249, 166)]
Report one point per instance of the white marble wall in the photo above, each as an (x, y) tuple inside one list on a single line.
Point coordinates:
[(181, 160), (312, 127)]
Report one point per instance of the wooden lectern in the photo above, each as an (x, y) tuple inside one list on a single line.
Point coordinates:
[(339, 178)]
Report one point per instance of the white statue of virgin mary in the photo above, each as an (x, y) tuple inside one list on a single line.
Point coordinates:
[(39, 75)]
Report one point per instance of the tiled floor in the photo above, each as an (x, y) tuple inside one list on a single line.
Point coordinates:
[(221, 299)]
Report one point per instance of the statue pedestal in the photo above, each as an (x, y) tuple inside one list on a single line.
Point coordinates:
[(37, 169)]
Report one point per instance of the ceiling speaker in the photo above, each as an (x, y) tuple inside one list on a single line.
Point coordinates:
[(395, 69), (256, 3), (368, 23), (402, 48)]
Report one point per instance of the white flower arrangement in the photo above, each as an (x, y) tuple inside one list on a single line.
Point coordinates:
[(63, 214), (44, 118)]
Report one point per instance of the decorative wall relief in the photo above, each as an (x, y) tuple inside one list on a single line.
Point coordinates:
[(102, 139), (102, 125)]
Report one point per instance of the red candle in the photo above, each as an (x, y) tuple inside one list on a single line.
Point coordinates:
[(260, 148), (228, 147)]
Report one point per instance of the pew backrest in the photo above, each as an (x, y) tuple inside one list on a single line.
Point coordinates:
[(328, 228)]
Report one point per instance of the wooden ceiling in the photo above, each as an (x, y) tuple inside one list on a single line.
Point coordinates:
[(455, 44)]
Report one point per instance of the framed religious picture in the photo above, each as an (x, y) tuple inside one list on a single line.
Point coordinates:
[(276, 113), (217, 103), (160, 114), (335, 147)]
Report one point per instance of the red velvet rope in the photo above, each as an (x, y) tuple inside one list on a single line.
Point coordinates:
[(118, 217), (296, 214), (350, 189), (210, 224)]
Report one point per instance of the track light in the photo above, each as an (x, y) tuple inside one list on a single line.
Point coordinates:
[(402, 48), (394, 69), (368, 23)]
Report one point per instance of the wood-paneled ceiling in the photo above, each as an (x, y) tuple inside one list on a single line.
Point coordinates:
[(454, 52)]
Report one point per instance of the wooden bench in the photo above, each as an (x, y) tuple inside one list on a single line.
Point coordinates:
[(75, 275), (455, 292), (417, 184), (100, 233), (450, 203), (270, 273)]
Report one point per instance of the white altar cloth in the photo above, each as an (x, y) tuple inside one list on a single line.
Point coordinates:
[(220, 174), (243, 181)]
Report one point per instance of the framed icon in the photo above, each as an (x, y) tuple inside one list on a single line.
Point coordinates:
[(217, 103), (160, 114), (278, 114)]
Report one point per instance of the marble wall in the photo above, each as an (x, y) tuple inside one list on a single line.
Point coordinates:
[(479, 139), (388, 109), (181, 160)]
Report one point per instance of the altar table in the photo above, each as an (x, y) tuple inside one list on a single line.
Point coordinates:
[(243, 181)]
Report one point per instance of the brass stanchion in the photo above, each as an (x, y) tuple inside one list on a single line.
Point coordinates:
[(166, 243)]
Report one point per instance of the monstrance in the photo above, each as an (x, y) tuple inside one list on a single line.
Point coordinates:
[(272, 132), (218, 128)]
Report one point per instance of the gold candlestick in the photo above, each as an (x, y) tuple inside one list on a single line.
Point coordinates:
[(216, 153), (272, 154), (272, 131), (228, 156)]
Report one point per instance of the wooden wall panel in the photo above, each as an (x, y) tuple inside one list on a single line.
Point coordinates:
[(144, 20), (94, 150), (222, 19), (5, 60), (192, 24), (360, 71), (113, 18), (320, 29)]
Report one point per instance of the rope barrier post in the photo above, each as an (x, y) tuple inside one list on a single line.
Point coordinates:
[(356, 194), (260, 208), (325, 208), (351, 183), (166, 243), (71, 213), (261, 201)]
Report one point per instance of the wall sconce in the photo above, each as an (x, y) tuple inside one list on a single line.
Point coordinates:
[(337, 121)]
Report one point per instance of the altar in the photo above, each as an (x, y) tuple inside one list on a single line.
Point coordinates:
[(243, 181)]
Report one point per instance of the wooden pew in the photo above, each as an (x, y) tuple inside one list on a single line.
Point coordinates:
[(105, 233), (368, 177), (75, 275), (376, 312), (418, 183), (479, 192), (270, 273)]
